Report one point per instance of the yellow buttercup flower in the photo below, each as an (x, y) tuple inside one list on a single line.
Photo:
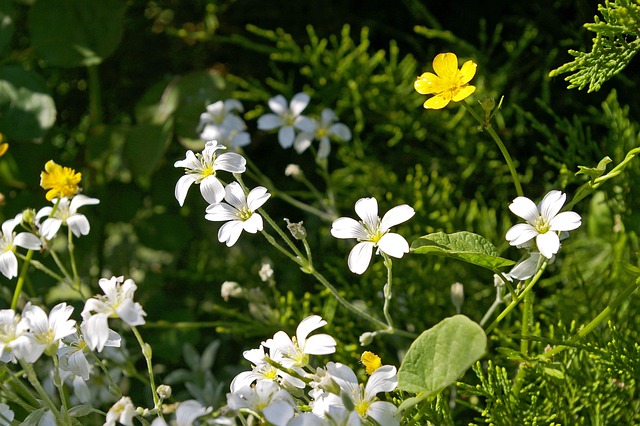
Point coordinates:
[(60, 181), (371, 361), (448, 83)]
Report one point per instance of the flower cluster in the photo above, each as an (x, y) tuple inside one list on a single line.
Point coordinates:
[(221, 123), (274, 390)]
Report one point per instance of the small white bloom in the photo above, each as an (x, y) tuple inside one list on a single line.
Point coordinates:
[(364, 400), (117, 302), (267, 398), (325, 129), (221, 114), (287, 118), (372, 232), (8, 243), (228, 137), (122, 411), (266, 272), (293, 170), (14, 340), (201, 169), (240, 212), (295, 352), (66, 213), (71, 353), (186, 414), (262, 370), (46, 331), (6, 415), (543, 222)]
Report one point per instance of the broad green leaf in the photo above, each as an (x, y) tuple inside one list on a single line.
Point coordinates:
[(72, 33), (144, 147), (27, 111), (439, 356), (466, 246), (594, 172), (6, 23)]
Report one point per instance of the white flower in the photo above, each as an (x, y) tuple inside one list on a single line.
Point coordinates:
[(6, 415), (13, 335), (543, 222), (372, 232), (8, 243), (363, 400), (186, 413), (71, 354), (117, 302), (287, 118), (262, 370), (66, 213), (325, 128), (201, 169), (295, 352), (228, 137), (240, 212), (266, 397), (122, 411), (46, 331), (221, 114)]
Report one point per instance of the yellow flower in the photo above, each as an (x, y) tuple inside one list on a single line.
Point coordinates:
[(448, 83), (371, 361), (3, 145), (60, 181)]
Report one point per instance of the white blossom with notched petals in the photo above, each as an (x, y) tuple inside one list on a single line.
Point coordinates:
[(543, 222), (262, 370), (117, 302), (267, 398), (202, 168), (372, 232), (222, 114), (8, 243), (325, 129), (46, 331), (294, 352), (13, 335), (287, 118), (240, 212), (186, 413), (66, 213), (122, 411)]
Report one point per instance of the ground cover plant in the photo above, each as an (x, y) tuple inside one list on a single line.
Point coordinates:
[(278, 213)]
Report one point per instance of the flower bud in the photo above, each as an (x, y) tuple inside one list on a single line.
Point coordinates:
[(230, 289), (293, 170), (164, 391), (487, 104), (457, 296), (366, 338)]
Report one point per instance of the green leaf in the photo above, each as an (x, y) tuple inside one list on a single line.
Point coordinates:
[(439, 356), (26, 109), (81, 410), (6, 23), (144, 147), (466, 246), (72, 33), (596, 172)]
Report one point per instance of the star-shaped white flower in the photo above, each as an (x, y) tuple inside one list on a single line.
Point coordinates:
[(122, 412), (117, 302), (13, 335), (240, 212), (45, 331), (295, 352), (267, 398), (286, 118), (186, 414), (66, 213), (543, 222), (325, 129), (372, 232), (8, 243), (222, 114), (201, 169)]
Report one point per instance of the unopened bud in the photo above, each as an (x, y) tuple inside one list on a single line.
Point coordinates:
[(28, 218), (296, 229), (164, 391), (457, 296), (293, 170), (230, 289), (366, 338), (487, 104)]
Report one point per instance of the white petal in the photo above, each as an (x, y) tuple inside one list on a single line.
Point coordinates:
[(212, 190), (131, 312), (27, 240), (188, 411), (278, 413), (299, 102), (341, 131), (43, 212), (78, 224), (231, 162), (328, 116), (395, 216), (367, 210), (286, 135), (320, 344), (96, 331), (565, 221), (551, 204), (190, 162), (384, 379), (233, 105), (257, 197), (278, 104), (520, 234), (50, 227), (8, 264), (360, 256), (305, 124), (308, 325), (525, 208), (382, 412), (240, 139), (269, 122), (81, 200), (393, 244), (302, 142), (253, 224), (526, 268), (325, 148), (548, 244), (346, 227), (230, 232), (182, 187), (221, 213), (234, 195)]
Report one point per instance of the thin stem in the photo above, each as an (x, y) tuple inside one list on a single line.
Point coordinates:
[(517, 300), (501, 146), (95, 95), (387, 290), (60, 386), (527, 317), (33, 379), (74, 268), (21, 278), (147, 353)]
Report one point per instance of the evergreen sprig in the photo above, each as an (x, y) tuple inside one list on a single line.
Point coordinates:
[(615, 44)]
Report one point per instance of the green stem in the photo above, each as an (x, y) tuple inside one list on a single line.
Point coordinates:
[(147, 353), (95, 95), (60, 386), (387, 290), (33, 379), (521, 296), (501, 146), (21, 278), (527, 308), (74, 268)]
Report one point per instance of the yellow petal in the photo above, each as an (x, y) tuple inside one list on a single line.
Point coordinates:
[(467, 72), (446, 65), (428, 83), (438, 101), (462, 93), (3, 148)]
